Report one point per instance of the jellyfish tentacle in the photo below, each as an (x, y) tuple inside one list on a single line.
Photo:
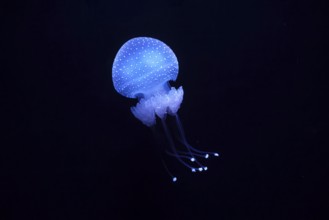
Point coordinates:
[(204, 156), (190, 159), (181, 156), (182, 135), (204, 168), (174, 178), (163, 161), (185, 142), (173, 148)]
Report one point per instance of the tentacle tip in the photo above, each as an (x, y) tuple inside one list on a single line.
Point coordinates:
[(174, 179), (200, 169), (205, 168), (192, 159), (206, 156), (216, 154)]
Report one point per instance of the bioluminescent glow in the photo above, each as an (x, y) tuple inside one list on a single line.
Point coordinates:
[(142, 69)]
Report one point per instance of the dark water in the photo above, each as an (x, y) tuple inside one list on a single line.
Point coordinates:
[(253, 75)]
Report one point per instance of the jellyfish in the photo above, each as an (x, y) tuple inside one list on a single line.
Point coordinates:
[(142, 69)]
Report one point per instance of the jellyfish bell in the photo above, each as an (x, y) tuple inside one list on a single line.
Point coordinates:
[(143, 65), (142, 69)]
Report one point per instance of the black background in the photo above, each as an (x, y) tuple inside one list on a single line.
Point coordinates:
[(253, 74)]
